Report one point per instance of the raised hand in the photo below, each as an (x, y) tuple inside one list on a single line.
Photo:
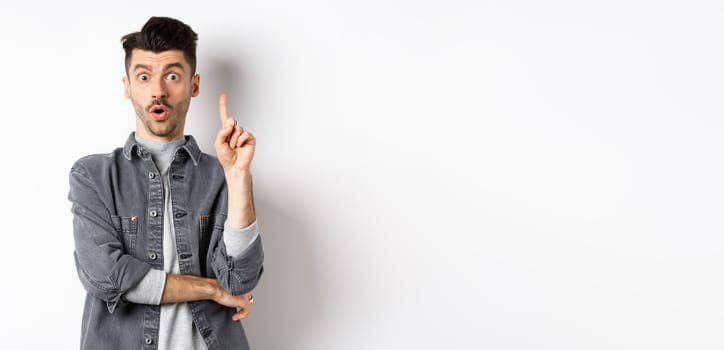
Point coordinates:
[(234, 146)]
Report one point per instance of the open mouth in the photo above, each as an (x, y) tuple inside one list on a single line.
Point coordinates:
[(159, 112)]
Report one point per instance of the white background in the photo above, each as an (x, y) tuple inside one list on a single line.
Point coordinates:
[(429, 174)]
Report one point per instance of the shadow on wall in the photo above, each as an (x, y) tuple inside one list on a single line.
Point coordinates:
[(288, 299), (224, 75), (218, 76)]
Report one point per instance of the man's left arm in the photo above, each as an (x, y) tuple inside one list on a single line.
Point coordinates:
[(238, 260)]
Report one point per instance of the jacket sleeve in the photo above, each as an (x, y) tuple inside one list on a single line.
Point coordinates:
[(104, 269), (239, 274)]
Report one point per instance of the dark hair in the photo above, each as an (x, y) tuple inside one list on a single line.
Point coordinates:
[(162, 34)]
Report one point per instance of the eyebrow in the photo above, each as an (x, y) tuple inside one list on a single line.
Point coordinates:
[(166, 67)]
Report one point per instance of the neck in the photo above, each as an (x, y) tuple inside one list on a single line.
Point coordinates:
[(161, 152)]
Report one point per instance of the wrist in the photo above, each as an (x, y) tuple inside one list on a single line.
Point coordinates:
[(214, 289), (237, 175)]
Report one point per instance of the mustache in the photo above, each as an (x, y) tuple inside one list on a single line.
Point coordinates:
[(158, 102)]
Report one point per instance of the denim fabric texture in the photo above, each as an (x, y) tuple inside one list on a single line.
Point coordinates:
[(117, 205)]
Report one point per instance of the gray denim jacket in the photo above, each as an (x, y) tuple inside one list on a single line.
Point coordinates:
[(117, 205)]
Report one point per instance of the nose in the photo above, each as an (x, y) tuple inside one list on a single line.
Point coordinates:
[(158, 89)]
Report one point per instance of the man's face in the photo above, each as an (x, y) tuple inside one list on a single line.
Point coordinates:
[(160, 86)]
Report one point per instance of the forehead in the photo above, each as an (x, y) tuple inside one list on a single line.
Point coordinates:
[(157, 60)]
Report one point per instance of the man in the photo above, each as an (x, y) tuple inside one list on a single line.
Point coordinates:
[(166, 240)]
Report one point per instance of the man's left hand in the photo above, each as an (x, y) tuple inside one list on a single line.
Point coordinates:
[(234, 145)]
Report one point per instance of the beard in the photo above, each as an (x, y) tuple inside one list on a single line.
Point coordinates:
[(174, 122)]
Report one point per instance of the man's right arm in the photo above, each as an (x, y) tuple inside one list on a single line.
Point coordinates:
[(103, 268), (185, 288), (173, 288)]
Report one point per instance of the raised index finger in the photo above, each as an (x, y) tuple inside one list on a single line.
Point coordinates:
[(223, 113)]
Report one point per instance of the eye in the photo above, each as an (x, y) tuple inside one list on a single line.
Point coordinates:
[(144, 77), (173, 76)]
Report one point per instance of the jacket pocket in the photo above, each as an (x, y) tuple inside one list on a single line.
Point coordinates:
[(210, 223), (127, 228)]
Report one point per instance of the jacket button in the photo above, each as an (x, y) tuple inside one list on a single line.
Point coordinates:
[(153, 213), (148, 340), (151, 175), (152, 256)]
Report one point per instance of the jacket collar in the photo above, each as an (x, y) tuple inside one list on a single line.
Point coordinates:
[(191, 148)]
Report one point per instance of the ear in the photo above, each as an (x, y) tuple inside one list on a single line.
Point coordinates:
[(126, 87), (195, 85)]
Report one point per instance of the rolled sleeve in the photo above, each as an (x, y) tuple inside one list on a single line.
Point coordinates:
[(239, 274)]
